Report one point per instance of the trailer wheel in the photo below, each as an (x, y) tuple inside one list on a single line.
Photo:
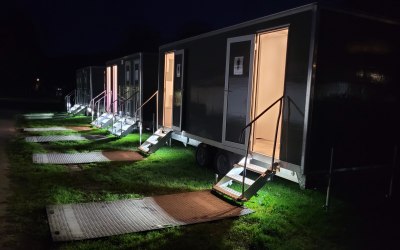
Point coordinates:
[(203, 155), (223, 162)]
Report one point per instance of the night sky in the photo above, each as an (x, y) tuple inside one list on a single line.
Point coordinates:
[(50, 39)]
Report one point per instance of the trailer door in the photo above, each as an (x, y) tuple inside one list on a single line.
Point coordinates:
[(178, 90), (109, 90), (238, 75), (127, 87), (115, 88), (137, 88)]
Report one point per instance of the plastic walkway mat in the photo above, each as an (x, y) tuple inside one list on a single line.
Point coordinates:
[(50, 138), (46, 129), (42, 116), (68, 128), (100, 219), (61, 158)]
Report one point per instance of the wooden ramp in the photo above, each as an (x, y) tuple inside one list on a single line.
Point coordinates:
[(100, 219)]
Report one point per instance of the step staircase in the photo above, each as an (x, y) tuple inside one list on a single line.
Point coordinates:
[(74, 108), (79, 111), (103, 121), (123, 126), (257, 174), (157, 140)]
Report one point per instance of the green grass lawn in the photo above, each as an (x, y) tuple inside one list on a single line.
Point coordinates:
[(285, 217)]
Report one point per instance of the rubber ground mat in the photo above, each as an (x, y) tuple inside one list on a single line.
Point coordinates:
[(101, 219), (42, 116), (50, 138), (66, 128), (46, 129), (77, 158)]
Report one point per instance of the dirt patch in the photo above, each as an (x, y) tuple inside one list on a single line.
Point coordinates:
[(79, 128), (123, 155)]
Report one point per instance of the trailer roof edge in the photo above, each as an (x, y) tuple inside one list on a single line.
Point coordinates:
[(244, 24)]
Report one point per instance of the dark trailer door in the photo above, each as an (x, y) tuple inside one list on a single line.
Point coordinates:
[(238, 75)]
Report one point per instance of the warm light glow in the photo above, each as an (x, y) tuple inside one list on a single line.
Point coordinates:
[(108, 88), (168, 88), (115, 88), (269, 78)]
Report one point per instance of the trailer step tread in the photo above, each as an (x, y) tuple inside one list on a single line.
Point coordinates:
[(253, 167), (239, 178), (228, 192), (143, 149)]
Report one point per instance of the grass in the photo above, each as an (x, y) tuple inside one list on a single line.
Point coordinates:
[(285, 216)]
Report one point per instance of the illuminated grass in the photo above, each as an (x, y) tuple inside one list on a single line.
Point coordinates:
[(284, 217)]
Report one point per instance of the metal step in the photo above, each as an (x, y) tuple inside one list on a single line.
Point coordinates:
[(252, 167), (154, 142), (228, 192), (153, 139), (161, 133), (239, 178), (262, 173)]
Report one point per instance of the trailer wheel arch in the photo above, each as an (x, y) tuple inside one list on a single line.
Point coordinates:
[(224, 161), (204, 155)]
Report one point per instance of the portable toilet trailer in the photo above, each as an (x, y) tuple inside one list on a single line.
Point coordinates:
[(89, 83), (131, 80), (273, 96), (75, 95), (95, 83)]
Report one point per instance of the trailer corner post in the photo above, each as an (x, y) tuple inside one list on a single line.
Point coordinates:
[(328, 188), (157, 110), (140, 133)]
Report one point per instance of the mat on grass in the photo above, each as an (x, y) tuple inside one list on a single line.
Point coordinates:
[(42, 116), (62, 158), (101, 219), (67, 128), (49, 138)]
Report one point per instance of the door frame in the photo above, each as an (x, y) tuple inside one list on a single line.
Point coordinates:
[(163, 93), (178, 52), (231, 40)]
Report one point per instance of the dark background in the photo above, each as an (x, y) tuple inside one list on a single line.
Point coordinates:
[(50, 39)]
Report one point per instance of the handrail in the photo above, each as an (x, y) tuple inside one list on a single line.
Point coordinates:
[(70, 93), (92, 101), (67, 99), (97, 102), (97, 96), (128, 99), (141, 106), (250, 124)]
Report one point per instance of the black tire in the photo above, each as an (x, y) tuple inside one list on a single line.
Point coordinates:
[(223, 162), (204, 155)]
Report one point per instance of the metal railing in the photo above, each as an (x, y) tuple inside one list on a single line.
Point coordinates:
[(92, 101), (67, 99), (123, 103), (250, 126), (140, 108), (105, 95)]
